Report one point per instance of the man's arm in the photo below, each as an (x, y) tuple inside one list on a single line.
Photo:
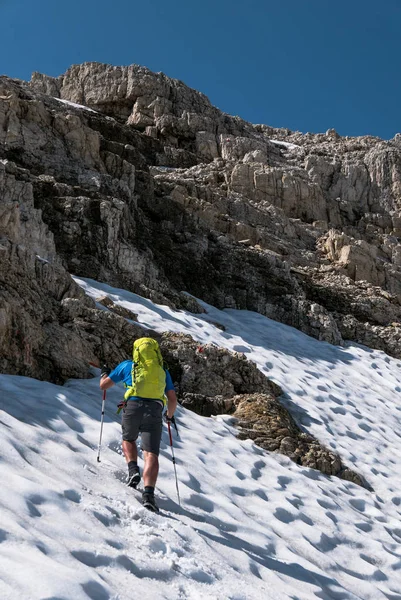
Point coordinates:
[(105, 382), (171, 402), (109, 377)]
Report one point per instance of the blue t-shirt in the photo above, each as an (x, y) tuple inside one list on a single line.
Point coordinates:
[(123, 372)]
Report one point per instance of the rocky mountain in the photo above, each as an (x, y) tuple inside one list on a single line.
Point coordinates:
[(132, 178)]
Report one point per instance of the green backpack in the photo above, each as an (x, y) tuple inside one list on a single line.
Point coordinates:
[(148, 374)]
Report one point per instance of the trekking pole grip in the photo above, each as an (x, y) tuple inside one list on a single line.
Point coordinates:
[(174, 422), (169, 433)]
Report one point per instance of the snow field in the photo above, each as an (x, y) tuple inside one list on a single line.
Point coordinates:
[(252, 525)]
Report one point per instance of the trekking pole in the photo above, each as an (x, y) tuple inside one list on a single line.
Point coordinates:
[(174, 422), (101, 425), (175, 468)]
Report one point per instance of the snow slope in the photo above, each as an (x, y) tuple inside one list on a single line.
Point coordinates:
[(252, 525), (74, 104)]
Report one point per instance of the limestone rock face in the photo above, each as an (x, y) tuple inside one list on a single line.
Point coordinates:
[(49, 329), (132, 178)]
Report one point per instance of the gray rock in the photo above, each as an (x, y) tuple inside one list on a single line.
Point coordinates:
[(157, 190)]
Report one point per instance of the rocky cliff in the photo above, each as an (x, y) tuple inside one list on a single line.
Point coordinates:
[(130, 177)]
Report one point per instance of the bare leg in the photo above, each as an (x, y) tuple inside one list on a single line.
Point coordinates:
[(130, 451), (151, 469)]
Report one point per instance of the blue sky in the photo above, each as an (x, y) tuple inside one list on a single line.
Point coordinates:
[(304, 64)]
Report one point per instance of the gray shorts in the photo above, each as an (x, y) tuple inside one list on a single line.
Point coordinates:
[(144, 417)]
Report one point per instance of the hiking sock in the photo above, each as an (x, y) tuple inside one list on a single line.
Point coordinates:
[(149, 489), (132, 467)]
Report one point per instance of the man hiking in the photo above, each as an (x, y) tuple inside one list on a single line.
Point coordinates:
[(149, 389)]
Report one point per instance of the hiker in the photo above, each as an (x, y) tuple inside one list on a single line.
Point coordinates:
[(149, 390)]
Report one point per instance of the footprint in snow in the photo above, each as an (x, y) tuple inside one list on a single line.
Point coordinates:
[(104, 519), (238, 491), (327, 543), (114, 544), (335, 399), (326, 504), (338, 410), (94, 591), (256, 469), (3, 535), (312, 474), (353, 436), (33, 511), (295, 502), (284, 516), (365, 527), (262, 494), (42, 548), (201, 502), (239, 348), (283, 481), (90, 559), (193, 484), (313, 374), (395, 534), (33, 501), (157, 546), (72, 495), (358, 504), (332, 517), (365, 427), (201, 576)]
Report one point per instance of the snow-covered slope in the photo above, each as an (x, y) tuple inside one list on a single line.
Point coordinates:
[(251, 525)]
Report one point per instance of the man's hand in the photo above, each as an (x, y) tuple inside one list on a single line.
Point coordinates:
[(105, 381), (172, 421), (105, 371), (171, 404)]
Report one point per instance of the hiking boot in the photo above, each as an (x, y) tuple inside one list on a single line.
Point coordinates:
[(148, 500), (134, 477)]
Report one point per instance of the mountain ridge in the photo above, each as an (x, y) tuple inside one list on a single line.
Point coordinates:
[(145, 193)]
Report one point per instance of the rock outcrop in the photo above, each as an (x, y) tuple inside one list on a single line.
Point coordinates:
[(296, 226), (131, 177), (148, 186), (213, 381)]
